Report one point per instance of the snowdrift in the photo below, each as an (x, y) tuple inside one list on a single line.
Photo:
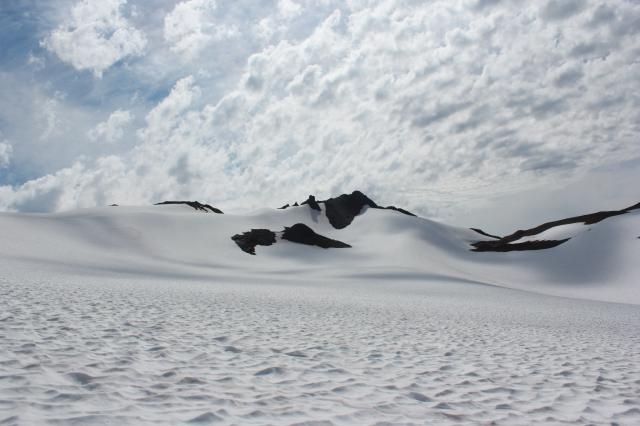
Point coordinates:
[(179, 240)]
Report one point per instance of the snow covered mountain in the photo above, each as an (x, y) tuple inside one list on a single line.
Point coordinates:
[(334, 312), (344, 239)]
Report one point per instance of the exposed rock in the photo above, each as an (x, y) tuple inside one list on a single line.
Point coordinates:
[(311, 201), (301, 233), (341, 210), (284, 207), (398, 209), (508, 243), (633, 207), (248, 241), (527, 245), (195, 204), (298, 233), (481, 232)]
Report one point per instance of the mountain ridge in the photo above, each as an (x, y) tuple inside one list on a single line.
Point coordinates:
[(342, 210), (176, 241)]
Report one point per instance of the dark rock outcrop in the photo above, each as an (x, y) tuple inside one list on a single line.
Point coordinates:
[(509, 242), (248, 241), (194, 204), (481, 232), (302, 234), (527, 245), (311, 202), (343, 209), (398, 209), (298, 233)]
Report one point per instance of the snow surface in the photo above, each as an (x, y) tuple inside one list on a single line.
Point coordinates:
[(152, 315), (175, 241), (559, 232)]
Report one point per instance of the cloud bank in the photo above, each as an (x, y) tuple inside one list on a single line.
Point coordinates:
[(420, 104)]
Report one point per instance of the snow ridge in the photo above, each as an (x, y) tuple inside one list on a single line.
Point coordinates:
[(153, 315)]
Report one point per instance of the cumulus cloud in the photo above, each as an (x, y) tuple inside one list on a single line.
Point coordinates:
[(568, 77), (192, 25), (52, 192), (419, 105), (5, 154), (112, 129), (166, 116), (96, 36), (289, 8), (49, 118), (555, 10)]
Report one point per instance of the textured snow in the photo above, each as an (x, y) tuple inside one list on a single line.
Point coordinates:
[(154, 316), (141, 351)]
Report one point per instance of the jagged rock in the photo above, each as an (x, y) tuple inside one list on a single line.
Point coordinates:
[(284, 207), (298, 233), (527, 245), (248, 241), (398, 209), (481, 232), (195, 204), (302, 234), (311, 201), (509, 242), (341, 210)]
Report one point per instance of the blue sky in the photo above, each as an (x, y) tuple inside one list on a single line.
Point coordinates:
[(455, 109)]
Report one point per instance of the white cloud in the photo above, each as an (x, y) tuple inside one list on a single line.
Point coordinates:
[(49, 118), (96, 36), (47, 128), (289, 8), (418, 105), (93, 186), (562, 9), (162, 120), (5, 154), (192, 25), (112, 129)]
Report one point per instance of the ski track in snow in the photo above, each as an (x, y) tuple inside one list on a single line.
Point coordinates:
[(131, 351)]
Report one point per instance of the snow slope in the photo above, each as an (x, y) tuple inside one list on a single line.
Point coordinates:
[(175, 241), (153, 315), (99, 350)]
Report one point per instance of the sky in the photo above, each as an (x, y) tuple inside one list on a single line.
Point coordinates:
[(485, 113)]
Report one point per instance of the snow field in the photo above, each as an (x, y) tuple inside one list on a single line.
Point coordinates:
[(126, 351), (152, 315)]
